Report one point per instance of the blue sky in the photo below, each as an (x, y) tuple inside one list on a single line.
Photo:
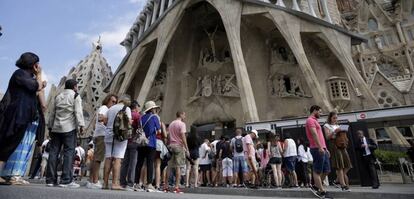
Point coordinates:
[(61, 32)]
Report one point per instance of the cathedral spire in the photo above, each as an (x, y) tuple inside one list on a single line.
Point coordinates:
[(97, 46)]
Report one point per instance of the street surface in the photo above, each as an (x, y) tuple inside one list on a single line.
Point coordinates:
[(40, 191)]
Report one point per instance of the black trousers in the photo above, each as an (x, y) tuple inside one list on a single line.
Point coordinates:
[(148, 154), (369, 162), (67, 140)]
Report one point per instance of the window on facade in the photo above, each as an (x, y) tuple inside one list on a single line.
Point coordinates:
[(339, 89), (381, 133), (386, 100), (405, 131), (372, 24)]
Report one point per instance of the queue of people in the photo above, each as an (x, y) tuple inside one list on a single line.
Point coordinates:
[(143, 154)]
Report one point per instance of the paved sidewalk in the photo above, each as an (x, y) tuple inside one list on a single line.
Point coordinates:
[(397, 191), (394, 191)]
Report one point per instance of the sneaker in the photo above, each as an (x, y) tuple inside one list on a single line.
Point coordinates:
[(150, 188), (315, 191), (325, 195), (138, 188), (50, 185), (346, 189), (72, 185), (128, 188), (177, 190), (336, 185)]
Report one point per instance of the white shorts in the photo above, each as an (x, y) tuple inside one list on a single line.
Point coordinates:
[(227, 167), (118, 151)]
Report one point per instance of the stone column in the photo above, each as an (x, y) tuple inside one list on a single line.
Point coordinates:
[(396, 137), (230, 12), (169, 26), (162, 7), (295, 5), (155, 11), (147, 19), (280, 3), (141, 23), (290, 29), (134, 33), (311, 3), (326, 11)]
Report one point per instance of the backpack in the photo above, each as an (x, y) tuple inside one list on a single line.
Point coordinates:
[(238, 145), (122, 128), (341, 140)]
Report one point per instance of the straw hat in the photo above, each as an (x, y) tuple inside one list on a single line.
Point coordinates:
[(149, 105)]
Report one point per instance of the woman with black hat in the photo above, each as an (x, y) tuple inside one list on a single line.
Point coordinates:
[(19, 113)]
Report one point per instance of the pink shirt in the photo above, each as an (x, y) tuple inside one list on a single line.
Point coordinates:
[(176, 130), (312, 122), (248, 149)]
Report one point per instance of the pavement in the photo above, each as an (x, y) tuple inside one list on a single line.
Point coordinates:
[(37, 189), (40, 191)]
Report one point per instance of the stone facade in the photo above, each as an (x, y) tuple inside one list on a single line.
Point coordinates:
[(386, 60), (233, 61), (92, 74)]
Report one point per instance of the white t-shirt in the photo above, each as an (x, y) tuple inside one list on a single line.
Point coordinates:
[(45, 154), (204, 149), (332, 128), (111, 119), (302, 155), (291, 148), (233, 144), (100, 126)]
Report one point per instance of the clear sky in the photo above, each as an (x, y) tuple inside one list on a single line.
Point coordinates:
[(61, 32)]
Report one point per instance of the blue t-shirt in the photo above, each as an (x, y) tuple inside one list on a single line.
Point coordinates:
[(151, 128)]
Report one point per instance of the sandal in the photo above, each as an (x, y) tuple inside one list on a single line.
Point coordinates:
[(117, 188), (4, 182)]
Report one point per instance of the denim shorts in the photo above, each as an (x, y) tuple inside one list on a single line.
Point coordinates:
[(240, 164), (290, 163), (320, 161)]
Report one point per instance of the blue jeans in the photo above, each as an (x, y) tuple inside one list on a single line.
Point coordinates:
[(321, 162), (67, 140)]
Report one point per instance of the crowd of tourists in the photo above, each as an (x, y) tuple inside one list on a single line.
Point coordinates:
[(140, 152)]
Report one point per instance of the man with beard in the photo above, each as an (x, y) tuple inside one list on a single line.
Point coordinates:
[(320, 154)]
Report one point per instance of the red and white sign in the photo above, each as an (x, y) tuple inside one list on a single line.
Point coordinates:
[(362, 115)]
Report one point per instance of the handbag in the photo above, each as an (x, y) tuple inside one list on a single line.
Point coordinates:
[(142, 139)]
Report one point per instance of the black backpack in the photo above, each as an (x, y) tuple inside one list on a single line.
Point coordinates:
[(122, 128), (238, 145)]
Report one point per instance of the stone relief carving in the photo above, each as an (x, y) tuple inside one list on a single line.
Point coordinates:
[(282, 54), (156, 93), (217, 85), (287, 86)]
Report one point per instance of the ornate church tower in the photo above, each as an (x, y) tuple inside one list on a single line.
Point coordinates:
[(386, 60), (92, 74)]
